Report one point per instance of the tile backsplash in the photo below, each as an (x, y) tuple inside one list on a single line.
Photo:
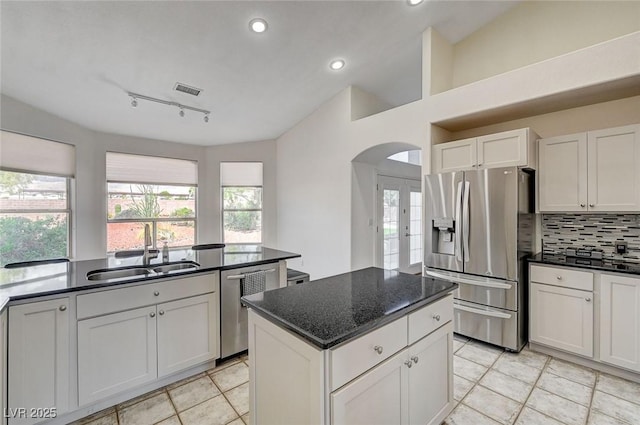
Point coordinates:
[(560, 231)]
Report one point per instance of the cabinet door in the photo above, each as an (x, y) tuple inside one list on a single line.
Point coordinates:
[(39, 357), (562, 173), (620, 321), (614, 169), (454, 156), (187, 333), (506, 149), (562, 318), (377, 397), (430, 381), (116, 352)]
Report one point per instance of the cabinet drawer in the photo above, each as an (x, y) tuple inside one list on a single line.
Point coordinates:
[(356, 357), (562, 277), (430, 318), (99, 303)]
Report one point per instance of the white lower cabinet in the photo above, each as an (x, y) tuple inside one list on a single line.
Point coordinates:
[(116, 352), (414, 387), (620, 321), (187, 334), (562, 318), (377, 397), (163, 328), (120, 351), (38, 378)]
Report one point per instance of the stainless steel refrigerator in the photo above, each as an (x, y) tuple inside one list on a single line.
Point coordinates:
[(480, 227)]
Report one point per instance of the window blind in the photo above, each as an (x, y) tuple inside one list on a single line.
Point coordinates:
[(241, 173), (34, 155), (127, 168)]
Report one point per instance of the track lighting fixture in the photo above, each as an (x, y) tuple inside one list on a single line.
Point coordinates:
[(135, 97)]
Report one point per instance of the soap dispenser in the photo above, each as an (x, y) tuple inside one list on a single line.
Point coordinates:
[(165, 252)]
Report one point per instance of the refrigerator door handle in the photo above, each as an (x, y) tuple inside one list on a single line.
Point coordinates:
[(465, 220), (458, 232), (458, 279), (482, 312)]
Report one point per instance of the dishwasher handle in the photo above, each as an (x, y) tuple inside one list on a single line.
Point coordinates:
[(242, 276)]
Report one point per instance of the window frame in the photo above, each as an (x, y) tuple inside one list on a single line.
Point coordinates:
[(155, 220), (68, 210), (261, 210)]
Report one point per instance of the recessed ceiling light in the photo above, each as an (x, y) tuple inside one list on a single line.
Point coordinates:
[(336, 64), (414, 2), (258, 25)]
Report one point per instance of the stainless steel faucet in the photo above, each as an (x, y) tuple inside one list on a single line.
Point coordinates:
[(147, 256)]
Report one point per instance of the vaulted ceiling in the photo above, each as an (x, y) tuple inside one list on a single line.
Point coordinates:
[(78, 59)]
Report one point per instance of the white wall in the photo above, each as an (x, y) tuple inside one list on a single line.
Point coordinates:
[(90, 201), (315, 181)]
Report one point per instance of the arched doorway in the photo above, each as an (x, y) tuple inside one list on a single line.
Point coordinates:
[(386, 208)]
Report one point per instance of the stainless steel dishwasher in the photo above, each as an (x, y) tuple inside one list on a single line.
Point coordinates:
[(234, 326)]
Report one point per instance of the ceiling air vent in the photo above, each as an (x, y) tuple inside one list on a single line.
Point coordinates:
[(187, 89)]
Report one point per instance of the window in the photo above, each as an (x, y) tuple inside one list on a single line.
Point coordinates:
[(410, 157), (241, 202), (150, 190), (35, 213)]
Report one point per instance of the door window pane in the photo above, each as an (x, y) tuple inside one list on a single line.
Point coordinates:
[(390, 228), (415, 226)]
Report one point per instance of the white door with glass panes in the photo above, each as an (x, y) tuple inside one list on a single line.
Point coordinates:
[(399, 229)]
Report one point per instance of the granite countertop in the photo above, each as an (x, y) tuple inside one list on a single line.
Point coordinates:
[(329, 311), (607, 265), (60, 278)]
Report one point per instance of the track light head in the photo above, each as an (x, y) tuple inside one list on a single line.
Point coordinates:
[(181, 113), (134, 102), (206, 118)]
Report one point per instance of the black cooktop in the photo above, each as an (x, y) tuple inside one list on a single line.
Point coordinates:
[(604, 264)]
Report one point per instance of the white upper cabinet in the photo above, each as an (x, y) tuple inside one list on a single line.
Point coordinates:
[(614, 169), (598, 171), (455, 156), (562, 176), (506, 149)]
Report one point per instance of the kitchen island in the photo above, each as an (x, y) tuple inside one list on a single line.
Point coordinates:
[(369, 346)]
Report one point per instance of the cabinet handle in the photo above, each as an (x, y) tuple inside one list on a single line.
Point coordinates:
[(479, 165), (63, 307), (152, 314), (377, 349), (559, 277), (436, 317), (592, 205), (161, 312), (408, 363), (583, 205), (156, 293), (415, 359), (588, 299)]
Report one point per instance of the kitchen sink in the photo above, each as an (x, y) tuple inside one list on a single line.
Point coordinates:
[(118, 273), (138, 271), (166, 268)]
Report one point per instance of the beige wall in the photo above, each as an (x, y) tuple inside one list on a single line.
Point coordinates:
[(537, 30)]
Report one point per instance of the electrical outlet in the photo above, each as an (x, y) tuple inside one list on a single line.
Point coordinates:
[(621, 247)]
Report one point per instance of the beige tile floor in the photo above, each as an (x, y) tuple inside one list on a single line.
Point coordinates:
[(491, 387), (219, 396)]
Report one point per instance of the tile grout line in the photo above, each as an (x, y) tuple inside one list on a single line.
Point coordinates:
[(533, 387), (175, 408)]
